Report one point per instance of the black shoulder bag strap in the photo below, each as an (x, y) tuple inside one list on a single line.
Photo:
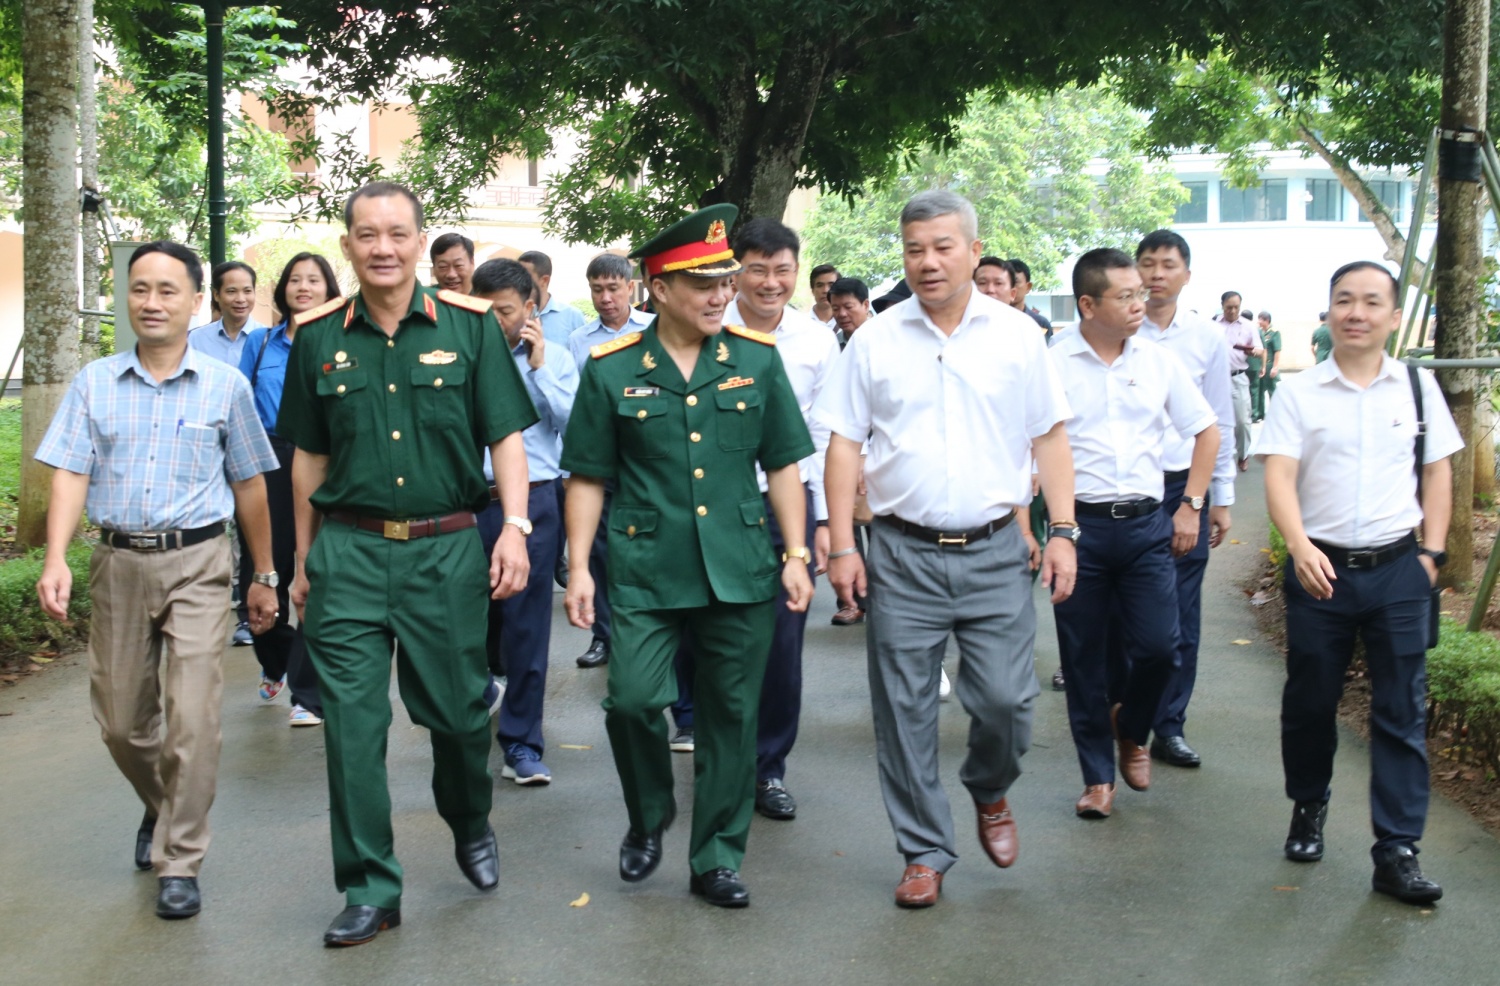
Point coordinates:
[(1421, 448), (265, 341)]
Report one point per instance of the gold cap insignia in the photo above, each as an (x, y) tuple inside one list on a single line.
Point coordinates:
[(437, 358), (723, 356), (717, 233)]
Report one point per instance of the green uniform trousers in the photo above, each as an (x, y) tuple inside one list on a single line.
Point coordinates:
[(429, 595), (732, 643), (1257, 397)]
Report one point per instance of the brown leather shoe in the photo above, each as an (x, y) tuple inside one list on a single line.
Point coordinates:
[(997, 833), (919, 887), (1097, 802), (1135, 760)]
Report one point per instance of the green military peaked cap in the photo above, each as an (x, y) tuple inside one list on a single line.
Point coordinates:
[(697, 244)]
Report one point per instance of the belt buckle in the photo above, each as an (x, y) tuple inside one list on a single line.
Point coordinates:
[(146, 542), (397, 530), (1361, 559), (961, 540), (1114, 508)]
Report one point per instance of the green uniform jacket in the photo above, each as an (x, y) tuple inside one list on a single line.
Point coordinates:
[(402, 419), (687, 517)]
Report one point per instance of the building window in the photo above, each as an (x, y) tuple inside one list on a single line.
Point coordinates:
[(1391, 194), (1261, 203), (533, 172), (1194, 209), (1325, 200)]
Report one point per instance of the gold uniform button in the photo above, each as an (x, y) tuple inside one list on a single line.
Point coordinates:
[(395, 436), (438, 382), (695, 437), (342, 388), (391, 388), (390, 344), (641, 414), (702, 511), (400, 480), (340, 356), (740, 406), (692, 400), (630, 531), (697, 473)]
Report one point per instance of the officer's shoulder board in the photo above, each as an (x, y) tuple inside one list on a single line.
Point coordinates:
[(477, 305), (614, 345), (764, 338), (322, 311)]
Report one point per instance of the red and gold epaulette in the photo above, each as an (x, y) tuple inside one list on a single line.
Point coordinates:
[(614, 345), (322, 311), (764, 338), (478, 305)]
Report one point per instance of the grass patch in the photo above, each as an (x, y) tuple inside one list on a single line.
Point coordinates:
[(24, 628), (10, 449)]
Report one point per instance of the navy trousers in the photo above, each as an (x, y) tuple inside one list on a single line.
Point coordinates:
[(599, 569), (520, 628), (1124, 567), (781, 690), (1388, 607), (1190, 569)]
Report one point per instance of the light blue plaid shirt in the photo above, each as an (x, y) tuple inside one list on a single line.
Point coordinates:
[(213, 340), (596, 332), (559, 321), (159, 456)]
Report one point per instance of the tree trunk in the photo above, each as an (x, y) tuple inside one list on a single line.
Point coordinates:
[(88, 144), (1466, 32), (1484, 446), (49, 188)]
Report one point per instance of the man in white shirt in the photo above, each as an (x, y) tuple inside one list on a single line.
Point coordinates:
[(956, 395), (820, 280), (1164, 260), (1128, 397), (1340, 452), (558, 321), (767, 251), (1239, 333), (610, 279), (850, 298)]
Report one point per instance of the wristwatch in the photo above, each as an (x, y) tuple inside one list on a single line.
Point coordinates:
[(521, 524), (1196, 502), (273, 580), (803, 552), (1439, 558), (1069, 531)]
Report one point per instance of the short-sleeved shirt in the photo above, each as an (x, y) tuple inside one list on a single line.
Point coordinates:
[(1272, 345), (1322, 341), (950, 418), (1356, 450), (1123, 413), (559, 321), (552, 388), (687, 524), (1201, 347), (214, 340), (596, 333), (160, 455), (402, 418), (1240, 332), (263, 362)]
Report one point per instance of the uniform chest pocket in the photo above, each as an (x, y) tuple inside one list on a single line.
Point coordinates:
[(343, 395), (643, 425), (440, 396), (739, 418)]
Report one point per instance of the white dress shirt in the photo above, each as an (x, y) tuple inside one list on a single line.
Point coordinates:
[(950, 418), (1121, 414), (1204, 351), (1240, 332), (1356, 475), (808, 351)]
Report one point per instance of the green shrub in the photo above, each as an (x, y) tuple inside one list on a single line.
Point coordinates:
[(1278, 552), (1463, 692), (24, 628)]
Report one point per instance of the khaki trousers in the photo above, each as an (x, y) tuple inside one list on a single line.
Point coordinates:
[(159, 627)]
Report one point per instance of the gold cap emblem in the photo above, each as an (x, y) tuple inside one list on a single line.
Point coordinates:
[(716, 232)]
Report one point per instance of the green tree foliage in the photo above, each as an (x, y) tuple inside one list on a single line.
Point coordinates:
[(1050, 176)]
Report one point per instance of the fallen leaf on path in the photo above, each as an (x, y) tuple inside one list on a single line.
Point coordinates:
[(1240, 642), (580, 902), (41, 660), (1235, 541), (1286, 888), (1259, 599), (573, 746), (1265, 551)]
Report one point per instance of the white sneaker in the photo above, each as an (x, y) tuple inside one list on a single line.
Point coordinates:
[(945, 687), (303, 717)]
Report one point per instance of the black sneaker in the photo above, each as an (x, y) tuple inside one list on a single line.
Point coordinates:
[(1397, 874), (682, 740), (1057, 681)]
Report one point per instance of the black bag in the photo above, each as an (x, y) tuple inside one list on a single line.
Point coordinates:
[(1421, 445)]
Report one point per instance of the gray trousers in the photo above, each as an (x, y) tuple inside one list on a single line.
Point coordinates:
[(1239, 392), (921, 593)]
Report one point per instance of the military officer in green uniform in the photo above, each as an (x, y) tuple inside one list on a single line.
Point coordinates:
[(677, 416), (389, 396)]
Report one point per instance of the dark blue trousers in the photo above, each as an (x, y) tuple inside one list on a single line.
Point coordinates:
[(781, 691), (520, 628), (599, 570), (1124, 567), (1388, 607), (1190, 569)]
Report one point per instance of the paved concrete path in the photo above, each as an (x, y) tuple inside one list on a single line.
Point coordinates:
[(1185, 884)]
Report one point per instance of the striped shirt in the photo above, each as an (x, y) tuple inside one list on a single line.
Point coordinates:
[(159, 455)]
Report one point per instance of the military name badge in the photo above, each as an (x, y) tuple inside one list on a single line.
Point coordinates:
[(341, 361), (437, 357), (642, 391), (734, 382)]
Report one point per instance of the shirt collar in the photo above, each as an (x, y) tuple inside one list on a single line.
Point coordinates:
[(1328, 371), (423, 305), (130, 360), (1073, 344), (979, 306)]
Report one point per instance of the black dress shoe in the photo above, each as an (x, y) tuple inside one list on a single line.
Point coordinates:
[(721, 887), (774, 801), (639, 853), (1304, 841), (178, 897), (596, 656), (1397, 874), (143, 836), (1174, 750), (480, 860), (360, 923), (1058, 682)]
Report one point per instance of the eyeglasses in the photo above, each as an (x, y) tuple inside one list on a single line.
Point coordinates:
[(1126, 297)]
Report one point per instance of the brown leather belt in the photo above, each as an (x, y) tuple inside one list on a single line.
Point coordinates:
[(495, 490), (956, 539), (405, 530)]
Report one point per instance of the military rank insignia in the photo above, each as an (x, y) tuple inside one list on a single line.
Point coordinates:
[(647, 362), (723, 356)]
